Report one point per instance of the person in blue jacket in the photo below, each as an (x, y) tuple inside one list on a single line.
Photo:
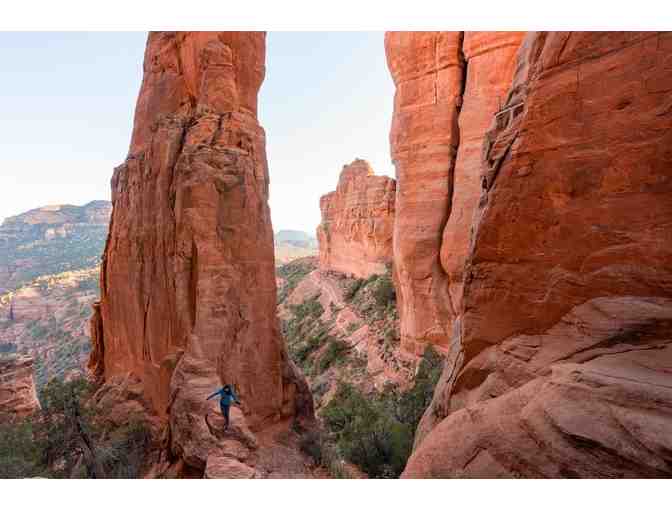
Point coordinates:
[(227, 396)]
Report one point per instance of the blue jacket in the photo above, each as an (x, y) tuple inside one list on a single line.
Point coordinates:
[(225, 398)]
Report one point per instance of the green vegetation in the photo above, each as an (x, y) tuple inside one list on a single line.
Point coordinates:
[(374, 298), (68, 438), (315, 444), (306, 334), (376, 431), (292, 273), (311, 308), (80, 249), (335, 351)]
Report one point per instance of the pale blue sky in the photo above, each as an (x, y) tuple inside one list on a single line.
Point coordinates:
[(68, 98)]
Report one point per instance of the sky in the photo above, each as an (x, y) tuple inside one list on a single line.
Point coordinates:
[(67, 111)]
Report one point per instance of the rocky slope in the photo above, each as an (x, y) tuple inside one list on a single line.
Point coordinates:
[(49, 266), (340, 328), (448, 85), (49, 320), (51, 240), (18, 397), (355, 234), (560, 357), (188, 287)]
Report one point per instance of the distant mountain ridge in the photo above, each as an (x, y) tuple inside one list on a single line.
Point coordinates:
[(49, 271), (293, 244), (51, 240)]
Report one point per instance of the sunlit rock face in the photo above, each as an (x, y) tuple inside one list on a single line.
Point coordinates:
[(448, 85), (355, 235), (188, 289), (562, 348), (18, 397)]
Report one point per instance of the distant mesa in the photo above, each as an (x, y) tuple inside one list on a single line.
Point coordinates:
[(293, 244)]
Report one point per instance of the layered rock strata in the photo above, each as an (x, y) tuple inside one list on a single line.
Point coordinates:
[(355, 235), (18, 397)]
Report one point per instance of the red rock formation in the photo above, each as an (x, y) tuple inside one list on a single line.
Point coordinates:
[(188, 285), (490, 58), (448, 85), (355, 235), (564, 345), (427, 69), (18, 397)]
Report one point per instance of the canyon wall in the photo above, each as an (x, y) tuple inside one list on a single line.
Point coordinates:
[(448, 84), (563, 341), (18, 397), (355, 235), (188, 289)]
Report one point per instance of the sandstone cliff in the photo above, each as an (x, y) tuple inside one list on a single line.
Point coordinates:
[(561, 354), (18, 397), (188, 287), (355, 235), (448, 84)]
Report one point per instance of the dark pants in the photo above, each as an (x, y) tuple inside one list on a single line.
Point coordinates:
[(225, 413)]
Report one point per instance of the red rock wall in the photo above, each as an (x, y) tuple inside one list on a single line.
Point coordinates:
[(564, 343), (355, 235), (188, 285), (490, 59), (18, 397), (448, 84), (428, 73)]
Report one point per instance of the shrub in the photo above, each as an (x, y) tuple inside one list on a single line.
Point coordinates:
[(366, 432), (18, 453), (352, 288), (310, 307), (324, 453), (384, 292), (304, 349), (67, 438), (376, 432), (413, 403), (334, 351)]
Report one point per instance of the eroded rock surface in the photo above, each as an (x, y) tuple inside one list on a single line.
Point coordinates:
[(355, 235), (18, 397), (448, 84), (188, 287), (561, 359)]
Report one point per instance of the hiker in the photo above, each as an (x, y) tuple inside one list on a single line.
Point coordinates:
[(227, 396)]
